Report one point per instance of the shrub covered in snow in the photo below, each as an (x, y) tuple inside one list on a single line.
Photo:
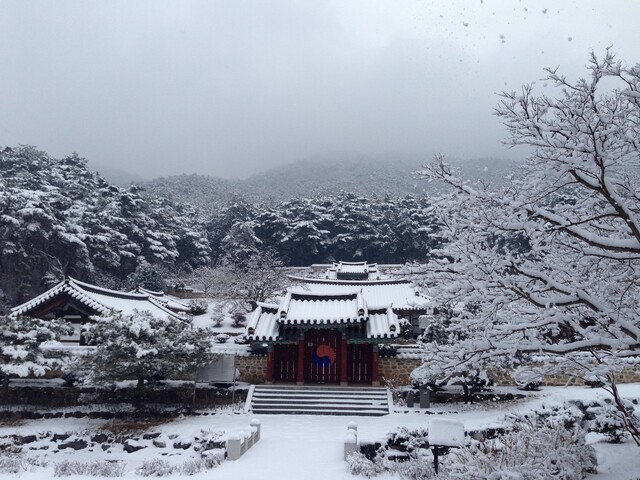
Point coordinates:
[(359, 464), (23, 343), (156, 467), (527, 378), (198, 306), (567, 416), (529, 452), (16, 463), (222, 338), (142, 346), (608, 420), (98, 468)]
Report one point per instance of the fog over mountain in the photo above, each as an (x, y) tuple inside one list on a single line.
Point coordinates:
[(362, 176)]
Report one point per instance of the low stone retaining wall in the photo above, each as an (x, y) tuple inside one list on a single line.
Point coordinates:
[(252, 368), (503, 378), (144, 398), (238, 443), (397, 370)]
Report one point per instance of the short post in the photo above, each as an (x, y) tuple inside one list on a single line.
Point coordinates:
[(244, 445), (350, 444), (353, 426), (234, 447), (250, 438), (410, 398), (444, 433), (425, 401), (256, 424)]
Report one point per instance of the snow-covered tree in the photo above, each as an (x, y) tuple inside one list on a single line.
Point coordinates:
[(552, 261), (25, 347), (259, 278), (141, 347), (59, 218)]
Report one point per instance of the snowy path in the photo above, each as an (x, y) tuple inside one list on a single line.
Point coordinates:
[(293, 447)]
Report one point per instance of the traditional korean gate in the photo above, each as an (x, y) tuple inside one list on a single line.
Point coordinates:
[(322, 356), (285, 362), (359, 363)]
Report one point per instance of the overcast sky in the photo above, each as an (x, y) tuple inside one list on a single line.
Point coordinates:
[(229, 88)]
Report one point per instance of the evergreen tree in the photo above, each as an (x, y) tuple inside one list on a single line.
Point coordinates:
[(25, 347), (141, 347)]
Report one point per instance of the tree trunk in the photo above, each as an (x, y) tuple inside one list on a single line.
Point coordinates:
[(5, 383), (140, 382)]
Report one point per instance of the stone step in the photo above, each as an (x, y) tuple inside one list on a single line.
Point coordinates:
[(318, 400)]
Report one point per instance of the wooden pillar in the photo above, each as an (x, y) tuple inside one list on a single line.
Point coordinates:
[(374, 367), (343, 362), (300, 379), (270, 361)]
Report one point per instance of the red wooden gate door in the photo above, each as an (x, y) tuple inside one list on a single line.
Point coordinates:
[(322, 356), (359, 363), (285, 362)]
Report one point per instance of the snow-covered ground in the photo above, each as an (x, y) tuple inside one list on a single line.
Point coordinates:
[(311, 447)]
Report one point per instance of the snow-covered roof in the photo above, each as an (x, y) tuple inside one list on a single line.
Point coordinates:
[(400, 294), (300, 307), (100, 300), (352, 271), (169, 302), (262, 324)]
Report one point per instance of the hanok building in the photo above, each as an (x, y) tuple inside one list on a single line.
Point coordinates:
[(330, 329), (77, 302)]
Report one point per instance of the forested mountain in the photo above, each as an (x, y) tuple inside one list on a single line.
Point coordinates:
[(303, 179), (59, 218), (328, 228)]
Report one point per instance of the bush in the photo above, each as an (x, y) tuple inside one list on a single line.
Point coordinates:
[(92, 469), (15, 463), (239, 319), (409, 440), (418, 467), (156, 467), (198, 307), (222, 338), (217, 317), (610, 422), (527, 378), (529, 452), (359, 464), (568, 416)]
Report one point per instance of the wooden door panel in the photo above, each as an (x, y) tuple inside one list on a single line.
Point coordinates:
[(285, 362), (322, 356), (359, 363)]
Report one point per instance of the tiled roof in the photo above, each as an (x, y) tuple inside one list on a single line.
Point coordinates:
[(344, 269), (167, 301), (101, 300), (382, 323), (262, 324), (300, 307), (305, 308), (400, 294)]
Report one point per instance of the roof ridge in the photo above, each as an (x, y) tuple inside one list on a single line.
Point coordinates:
[(107, 291), (385, 281)]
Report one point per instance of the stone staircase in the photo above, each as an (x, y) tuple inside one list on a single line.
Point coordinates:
[(318, 400)]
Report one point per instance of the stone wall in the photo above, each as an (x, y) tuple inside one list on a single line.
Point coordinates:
[(503, 378), (253, 368), (396, 369)]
